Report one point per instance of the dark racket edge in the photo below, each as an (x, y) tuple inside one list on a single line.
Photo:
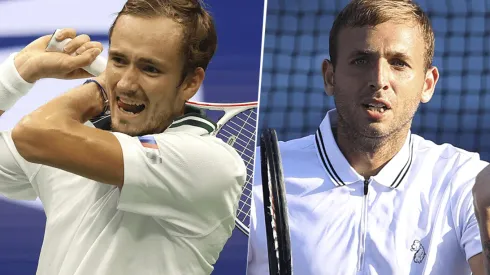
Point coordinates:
[(272, 175)]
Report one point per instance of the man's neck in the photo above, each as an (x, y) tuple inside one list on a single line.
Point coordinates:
[(368, 155)]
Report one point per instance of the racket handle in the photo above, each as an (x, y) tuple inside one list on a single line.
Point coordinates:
[(95, 69)]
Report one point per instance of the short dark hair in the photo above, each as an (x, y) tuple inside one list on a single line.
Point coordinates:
[(360, 13), (199, 41)]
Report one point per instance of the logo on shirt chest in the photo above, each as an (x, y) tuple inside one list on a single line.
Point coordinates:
[(419, 252)]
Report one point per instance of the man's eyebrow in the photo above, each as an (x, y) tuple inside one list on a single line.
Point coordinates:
[(394, 54), (359, 52), (151, 61), (399, 55), (116, 53)]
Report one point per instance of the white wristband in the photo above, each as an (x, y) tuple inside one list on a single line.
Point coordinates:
[(12, 85)]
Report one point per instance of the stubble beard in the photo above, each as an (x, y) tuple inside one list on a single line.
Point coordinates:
[(154, 124), (364, 139)]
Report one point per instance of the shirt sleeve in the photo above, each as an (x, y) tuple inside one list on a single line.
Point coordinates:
[(15, 171), (190, 182), (12, 85), (462, 206)]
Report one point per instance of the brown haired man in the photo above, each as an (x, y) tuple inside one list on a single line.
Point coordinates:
[(154, 195), (365, 195)]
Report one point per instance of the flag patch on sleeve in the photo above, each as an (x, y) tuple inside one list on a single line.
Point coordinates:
[(151, 149), (148, 142)]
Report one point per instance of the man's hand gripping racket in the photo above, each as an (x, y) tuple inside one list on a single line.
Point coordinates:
[(237, 127), (275, 206)]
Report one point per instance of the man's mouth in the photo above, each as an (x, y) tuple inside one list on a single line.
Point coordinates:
[(376, 107), (130, 107)]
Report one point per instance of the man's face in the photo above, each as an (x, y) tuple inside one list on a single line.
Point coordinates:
[(380, 78), (143, 74)]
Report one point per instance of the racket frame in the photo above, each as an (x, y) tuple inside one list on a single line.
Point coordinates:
[(230, 110), (280, 260)]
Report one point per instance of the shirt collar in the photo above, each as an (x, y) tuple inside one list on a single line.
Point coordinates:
[(342, 173), (192, 123)]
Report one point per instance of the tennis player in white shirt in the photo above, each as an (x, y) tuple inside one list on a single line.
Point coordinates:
[(156, 194), (365, 195)]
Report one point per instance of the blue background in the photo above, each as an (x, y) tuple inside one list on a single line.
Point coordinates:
[(232, 76)]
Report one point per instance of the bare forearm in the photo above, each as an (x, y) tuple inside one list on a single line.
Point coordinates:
[(54, 135), (486, 257), (481, 204), (1, 112), (484, 225), (78, 105), (56, 120)]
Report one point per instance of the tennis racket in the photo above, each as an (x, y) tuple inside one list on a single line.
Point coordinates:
[(275, 206), (236, 125)]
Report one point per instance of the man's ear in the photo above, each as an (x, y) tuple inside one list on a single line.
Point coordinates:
[(328, 77), (431, 78), (191, 84)]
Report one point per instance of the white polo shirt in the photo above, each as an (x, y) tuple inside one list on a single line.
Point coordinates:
[(416, 218), (173, 216)]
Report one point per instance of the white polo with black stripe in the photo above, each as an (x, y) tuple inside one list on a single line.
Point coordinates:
[(414, 217)]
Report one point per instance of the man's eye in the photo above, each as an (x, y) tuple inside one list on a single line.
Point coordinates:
[(399, 63), (151, 69), (360, 61), (118, 60)]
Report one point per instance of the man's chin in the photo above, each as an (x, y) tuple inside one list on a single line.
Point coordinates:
[(127, 129), (375, 130)]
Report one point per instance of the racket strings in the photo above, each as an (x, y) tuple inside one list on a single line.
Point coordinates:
[(242, 212), (242, 126), (246, 121), (240, 132), (240, 136), (246, 197), (243, 141)]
